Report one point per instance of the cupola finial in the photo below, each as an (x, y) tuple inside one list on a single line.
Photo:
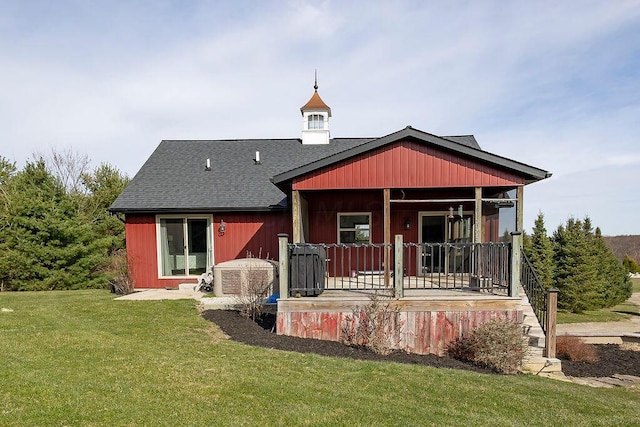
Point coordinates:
[(315, 84)]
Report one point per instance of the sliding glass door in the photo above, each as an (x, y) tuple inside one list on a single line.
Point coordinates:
[(184, 246)]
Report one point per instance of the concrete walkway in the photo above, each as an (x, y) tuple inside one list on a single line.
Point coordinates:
[(160, 294), (606, 332), (207, 301)]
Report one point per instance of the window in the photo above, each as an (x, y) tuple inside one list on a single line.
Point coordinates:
[(184, 245), (316, 121), (354, 228)]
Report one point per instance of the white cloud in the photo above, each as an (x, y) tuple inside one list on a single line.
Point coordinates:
[(546, 83)]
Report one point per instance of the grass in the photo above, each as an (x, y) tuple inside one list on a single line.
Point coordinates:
[(81, 358), (604, 315), (616, 313)]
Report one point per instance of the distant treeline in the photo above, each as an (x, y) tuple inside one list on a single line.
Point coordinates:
[(625, 246), (55, 228)]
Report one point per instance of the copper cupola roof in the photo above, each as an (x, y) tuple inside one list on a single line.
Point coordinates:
[(315, 102)]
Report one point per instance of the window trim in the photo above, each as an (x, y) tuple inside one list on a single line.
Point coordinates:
[(210, 251), (340, 229)]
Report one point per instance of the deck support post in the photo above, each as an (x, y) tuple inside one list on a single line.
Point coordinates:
[(398, 274), (516, 260), (552, 311), (387, 235), (283, 267)]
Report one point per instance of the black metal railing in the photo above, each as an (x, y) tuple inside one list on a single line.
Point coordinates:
[(474, 266), (536, 293), (314, 268), (357, 266)]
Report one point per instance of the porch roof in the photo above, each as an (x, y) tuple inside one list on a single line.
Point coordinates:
[(458, 145)]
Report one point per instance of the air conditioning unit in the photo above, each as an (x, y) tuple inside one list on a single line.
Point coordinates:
[(238, 275)]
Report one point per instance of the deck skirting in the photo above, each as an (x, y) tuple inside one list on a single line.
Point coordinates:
[(424, 325)]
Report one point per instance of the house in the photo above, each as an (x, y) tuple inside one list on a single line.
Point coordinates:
[(194, 204), (197, 203)]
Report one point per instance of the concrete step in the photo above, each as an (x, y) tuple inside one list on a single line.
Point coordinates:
[(535, 362), (187, 286), (538, 364)]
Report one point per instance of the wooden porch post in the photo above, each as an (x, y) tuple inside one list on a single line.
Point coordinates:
[(296, 216), (516, 260), (387, 235), (283, 265), (552, 310), (398, 274), (477, 216), (520, 208)]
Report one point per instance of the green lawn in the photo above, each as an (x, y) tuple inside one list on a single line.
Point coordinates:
[(80, 358), (619, 312)]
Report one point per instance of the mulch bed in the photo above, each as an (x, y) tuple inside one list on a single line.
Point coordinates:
[(249, 332), (613, 359)]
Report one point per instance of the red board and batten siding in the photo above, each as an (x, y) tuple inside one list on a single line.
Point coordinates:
[(406, 164), (254, 233)]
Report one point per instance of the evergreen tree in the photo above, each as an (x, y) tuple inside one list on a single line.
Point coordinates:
[(588, 275), (7, 172), (575, 274), (44, 245), (616, 286), (630, 265), (104, 185), (540, 252)]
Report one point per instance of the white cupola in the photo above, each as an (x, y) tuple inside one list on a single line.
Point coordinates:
[(315, 115)]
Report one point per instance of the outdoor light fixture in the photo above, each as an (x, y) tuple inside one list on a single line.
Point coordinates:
[(222, 227), (407, 224), (450, 212)]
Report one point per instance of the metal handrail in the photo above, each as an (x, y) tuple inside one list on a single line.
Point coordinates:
[(535, 291)]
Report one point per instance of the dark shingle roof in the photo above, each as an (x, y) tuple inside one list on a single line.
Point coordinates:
[(174, 178), (468, 140)]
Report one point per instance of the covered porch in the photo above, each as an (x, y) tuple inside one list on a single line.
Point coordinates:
[(432, 223), (448, 236)]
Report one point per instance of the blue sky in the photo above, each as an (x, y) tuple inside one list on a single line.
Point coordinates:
[(552, 84)]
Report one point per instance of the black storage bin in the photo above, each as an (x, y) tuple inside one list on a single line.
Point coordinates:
[(306, 270)]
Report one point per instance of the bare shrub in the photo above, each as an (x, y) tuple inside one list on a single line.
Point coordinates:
[(254, 290), (376, 325), (497, 344), (120, 266), (575, 349)]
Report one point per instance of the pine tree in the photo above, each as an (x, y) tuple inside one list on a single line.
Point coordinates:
[(44, 246), (588, 274), (630, 265), (615, 283), (575, 275), (540, 252), (104, 185)]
